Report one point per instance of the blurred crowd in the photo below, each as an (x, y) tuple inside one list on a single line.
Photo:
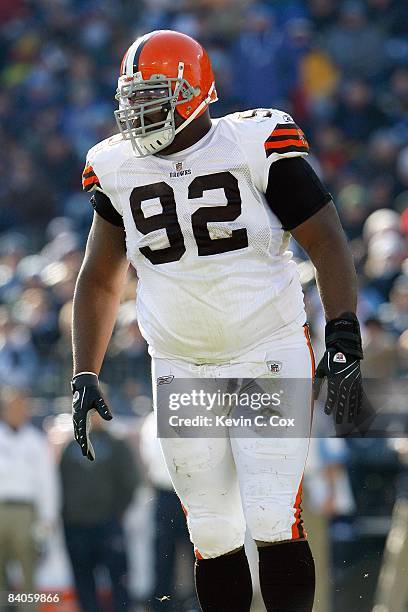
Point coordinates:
[(340, 68)]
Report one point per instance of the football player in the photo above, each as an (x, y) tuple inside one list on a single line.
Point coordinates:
[(204, 209)]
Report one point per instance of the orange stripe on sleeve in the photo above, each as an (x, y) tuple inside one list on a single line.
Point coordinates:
[(90, 181), (87, 169), (280, 144), (285, 132)]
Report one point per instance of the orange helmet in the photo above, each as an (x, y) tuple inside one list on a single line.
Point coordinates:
[(162, 70)]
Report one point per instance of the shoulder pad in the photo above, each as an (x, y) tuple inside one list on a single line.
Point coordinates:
[(267, 135), (103, 158), (263, 114), (275, 130)]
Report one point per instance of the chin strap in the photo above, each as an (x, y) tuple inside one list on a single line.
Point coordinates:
[(198, 110)]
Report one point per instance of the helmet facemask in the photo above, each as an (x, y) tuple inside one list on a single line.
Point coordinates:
[(140, 99)]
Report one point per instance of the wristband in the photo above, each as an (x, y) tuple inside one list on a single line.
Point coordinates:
[(343, 333), (86, 379)]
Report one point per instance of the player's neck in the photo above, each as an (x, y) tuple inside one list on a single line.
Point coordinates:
[(192, 134)]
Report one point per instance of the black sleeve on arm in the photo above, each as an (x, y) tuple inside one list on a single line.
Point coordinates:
[(104, 207), (295, 192)]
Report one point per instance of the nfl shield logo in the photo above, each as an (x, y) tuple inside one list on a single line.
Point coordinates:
[(274, 366), (178, 166)]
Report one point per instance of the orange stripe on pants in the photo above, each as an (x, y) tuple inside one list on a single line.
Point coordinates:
[(297, 528)]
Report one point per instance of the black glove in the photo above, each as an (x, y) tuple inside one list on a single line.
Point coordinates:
[(87, 398), (341, 365)]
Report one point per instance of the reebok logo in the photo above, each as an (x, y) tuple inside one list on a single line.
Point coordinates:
[(165, 380)]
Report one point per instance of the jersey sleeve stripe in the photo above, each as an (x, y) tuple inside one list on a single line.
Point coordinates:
[(90, 181), (290, 149), (91, 186), (286, 138), (280, 144), (284, 132), (275, 139), (285, 126)]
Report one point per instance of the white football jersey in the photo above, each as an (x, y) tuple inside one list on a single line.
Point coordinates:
[(215, 274)]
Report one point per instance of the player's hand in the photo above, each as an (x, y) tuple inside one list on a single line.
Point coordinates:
[(87, 398), (341, 366), (344, 388)]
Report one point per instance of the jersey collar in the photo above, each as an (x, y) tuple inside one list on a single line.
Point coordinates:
[(196, 146)]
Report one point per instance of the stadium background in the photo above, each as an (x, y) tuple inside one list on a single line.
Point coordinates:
[(340, 68)]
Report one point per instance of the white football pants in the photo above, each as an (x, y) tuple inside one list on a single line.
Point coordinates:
[(226, 484)]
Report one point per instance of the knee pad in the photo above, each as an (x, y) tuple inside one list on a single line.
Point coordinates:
[(214, 536), (269, 521)]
